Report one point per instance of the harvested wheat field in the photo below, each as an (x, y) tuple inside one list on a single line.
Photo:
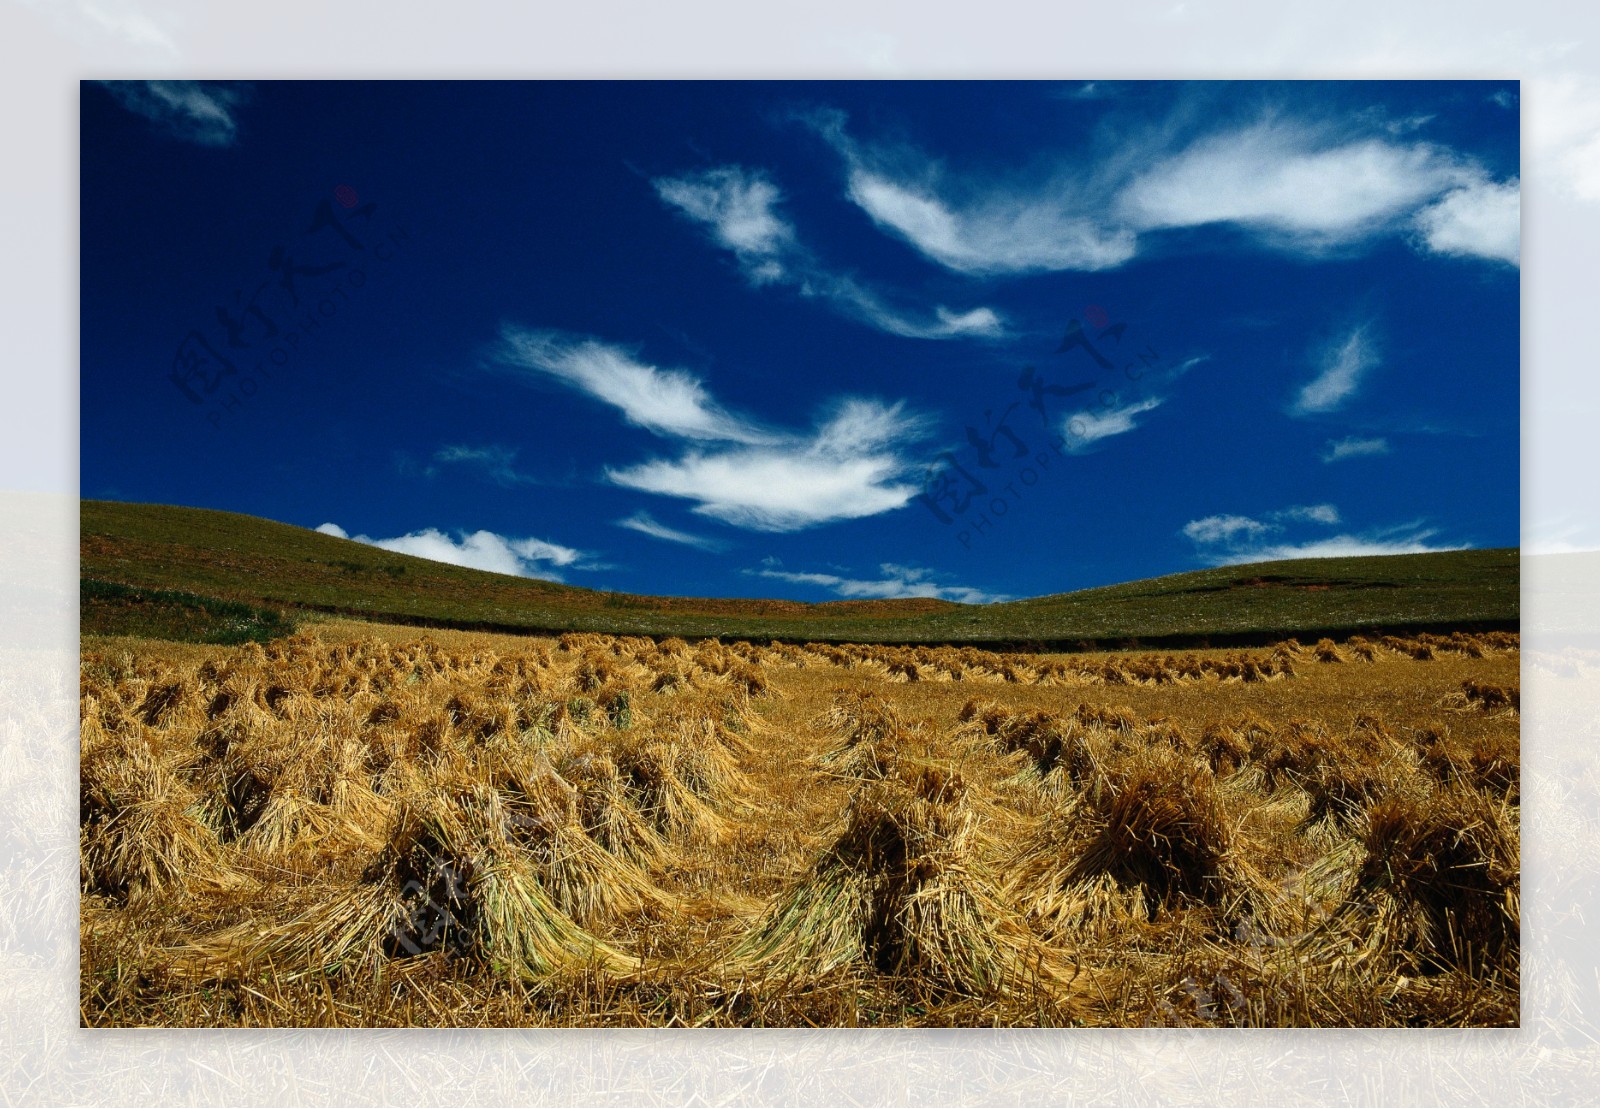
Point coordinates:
[(373, 825)]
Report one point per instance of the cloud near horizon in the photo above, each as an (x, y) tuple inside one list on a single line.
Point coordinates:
[(478, 550), (898, 583), (1231, 529), (1343, 546), (1228, 540), (1223, 529)]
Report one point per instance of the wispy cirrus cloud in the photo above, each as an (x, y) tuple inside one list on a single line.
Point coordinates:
[(848, 466), (1304, 185), (1308, 513), (739, 209), (195, 111), (1354, 446), (897, 583), (478, 550), (646, 524), (1340, 369), (977, 228), (1407, 124), (496, 462), (665, 401), (1084, 429), (1298, 185), (993, 233)]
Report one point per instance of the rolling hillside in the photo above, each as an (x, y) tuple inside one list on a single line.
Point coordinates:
[(210, 560)]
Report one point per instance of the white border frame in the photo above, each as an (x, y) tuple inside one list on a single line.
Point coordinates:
[(48, 46)]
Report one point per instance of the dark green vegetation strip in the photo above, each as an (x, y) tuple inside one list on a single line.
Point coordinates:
[(109, 608), (259, 562)]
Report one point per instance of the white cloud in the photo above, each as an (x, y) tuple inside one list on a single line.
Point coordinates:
[(667, 402), (848, 468), (479, 550), (646, 524), (999, 232), (898, 582), (1087, 428), (1482, 220), (845, 468), (854, 299), (1223, 529), (1235, 530), (499, 463), (199, 113), (739, 207), (1290, 180), (978, 321), (1228, 540), (1300, 186), (1342, 367), (1309, 513), (1185, 366), (1341, 546), (1354, 447)]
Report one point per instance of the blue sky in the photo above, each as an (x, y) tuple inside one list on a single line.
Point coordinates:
[(815, 340)]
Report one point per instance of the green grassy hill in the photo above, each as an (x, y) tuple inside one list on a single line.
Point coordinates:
[(224, 557)]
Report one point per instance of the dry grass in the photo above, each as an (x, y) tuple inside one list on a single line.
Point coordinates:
[(457, 828)]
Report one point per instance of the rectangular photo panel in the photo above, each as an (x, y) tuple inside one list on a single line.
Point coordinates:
[(738, 553)]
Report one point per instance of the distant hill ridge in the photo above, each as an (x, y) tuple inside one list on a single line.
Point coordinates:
[(232, 557)]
